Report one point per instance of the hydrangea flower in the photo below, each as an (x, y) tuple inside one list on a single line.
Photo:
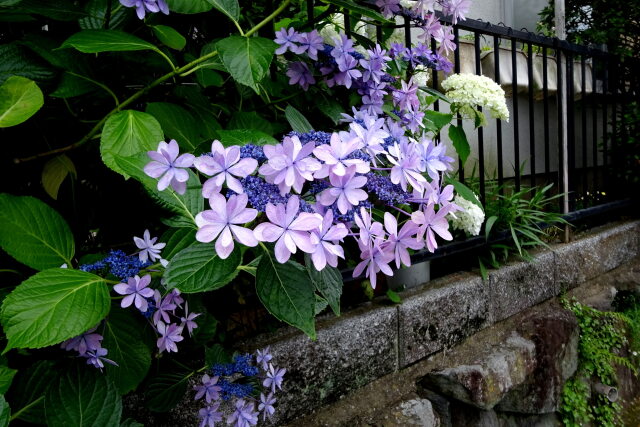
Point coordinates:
[(300, 74), (136, 292), (406, 166), (431, 222), (374, 259), (87, 341), (469, 219), (289, 164), (169, 336), (311, 43), (327, 248), (210, 415), (288, 229), (209, 389), (149, 249), (163, 306), (288, 39), (222, 221), (97, 359), (224, 165), (336, 157), (263, 357), (266, 405), (188, 319), (169, 167), (144, 6), (457, 9), (244, 414), (399, 242), (346, 189), (274, 378), (468, 91)]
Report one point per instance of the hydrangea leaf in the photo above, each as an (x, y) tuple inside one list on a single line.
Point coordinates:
[(29, 388), (464, 191), (327, 282), (5, 412), (250, 120), (231, 8), (435, 120), (96, 41), (165, 390), (6, 377), (189, 6), (54, 173), (460, 143), (177, 123), (20, 98), (34, 233), (99, 13), (123, 339), (286, 292), (244, 136), (297, 120), (128, 133), (17, 60), (247, 58), (169, 37), (83, 397), (198, 268), (177, 239), (52, 306)]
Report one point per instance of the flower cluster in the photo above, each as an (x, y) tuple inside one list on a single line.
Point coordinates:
[(144, 6), (468, 91), (470, 219), (235, 386), (89, 346)]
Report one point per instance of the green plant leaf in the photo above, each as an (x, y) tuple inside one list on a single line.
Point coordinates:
[(435, 120), (29, 388), (96, 41), (360, 10), (165, 390), (169, 37), (215, 354), (327, 282), (126, 134), (18, 61), (331, 108), (207, 327), (83, 397), (231, 8), (71, 85), (393, 296), (54, 173), (247, 58), (186, 205), (34, 233), (464, 191), (489, 225), (244, 136), (189, 6), (98, 11), (250, 120), (460, 143), (20, 98), (198, 268), (6, 377), (208, 78), (177, 239), (5, 412), (177, 123), (286, 292), (52, 306), (59, 10), (298, 122), (123, 339)]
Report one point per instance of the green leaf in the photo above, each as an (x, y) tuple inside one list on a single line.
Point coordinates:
[(29, 388), (97, 13), (20, 98), (6, 377), (59, 10), (436, 120), (166, 390), (244, 136), (208, 78), (215, 354), (286, 292), (435, 93), (177, 123), (34, 233), (126, 134), (52, 306), (198, 268), (331, 108), (321, 304), (393, 296), (130, 423), (54, 173), (83, 397), (489, 225), (298, 122), (17, 61), (207, 328), (360, 10), (464, 191), (247, 58), (250, 120), (231, 8), (187, 205), (123, 339), (169, 37), (327, 282), (5, 412), (460, 143), (72, 85), (189, 6), (177, 239), (96, 41)]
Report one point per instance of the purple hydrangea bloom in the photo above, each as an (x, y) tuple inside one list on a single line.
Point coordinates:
[(431, 27), (431, 222), (300, 74), (254, 152), (87, 341), (163, 306), (167, 164), (274, 378), (346, 189), (169, 336), (386, 191), (261, 193), (399, 242), (149, 249), (388, 7), (406, 166), (143, 6), (347, 71), (422, 7), (311, 43), (288, 229), (414, 120), (407, 97), (457, 9), (433, 158), (263, 357), (336, 156), (287, 40), (188, 319), (327, 249), (374, 259), (368, 229), (136, 292), (266, 405), (223, 166), (244, 415), (343, 45), (210, 415), (96, 358), (209, 389), (445, 37), (222, 222)]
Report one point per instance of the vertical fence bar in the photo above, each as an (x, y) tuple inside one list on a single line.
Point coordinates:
[(594, 124), (561, 137), (605, 108), (571, 130), (310, 11), (436, 104), (532, 130), (583, 90), (545, 110), (347, 22), (516, 125), (496, 54), (456, 66), (379, 34), (476, 45), (614, 121), (407, 32)]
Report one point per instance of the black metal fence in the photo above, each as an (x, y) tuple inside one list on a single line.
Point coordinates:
[(543, 130)]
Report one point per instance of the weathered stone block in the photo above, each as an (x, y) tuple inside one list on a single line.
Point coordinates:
[(597, 253), (413, 412), (433, 318), (516, 287), (350, 351)]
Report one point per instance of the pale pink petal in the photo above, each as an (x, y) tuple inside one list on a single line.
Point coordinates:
[(267, 232), (208, 233), (244, 235), (281, 251), (306, 222), (155, 169)]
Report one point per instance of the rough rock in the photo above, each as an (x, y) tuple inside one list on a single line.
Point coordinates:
[(414, 412)]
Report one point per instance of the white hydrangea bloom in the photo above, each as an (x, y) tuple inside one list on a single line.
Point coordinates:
[(396, 37), (468, 91), (469, 220), (335, 26)]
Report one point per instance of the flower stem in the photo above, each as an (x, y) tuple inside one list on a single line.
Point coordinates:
[(29, 406)]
